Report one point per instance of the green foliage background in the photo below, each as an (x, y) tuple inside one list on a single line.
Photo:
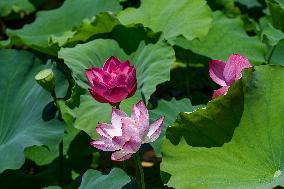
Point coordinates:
[(234, 141)]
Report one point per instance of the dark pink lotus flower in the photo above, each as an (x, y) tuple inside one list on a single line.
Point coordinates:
[(112, 83), (125, 135), (225, 74)]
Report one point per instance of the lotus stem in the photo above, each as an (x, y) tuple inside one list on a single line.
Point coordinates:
[(61, 155), (139, 172)]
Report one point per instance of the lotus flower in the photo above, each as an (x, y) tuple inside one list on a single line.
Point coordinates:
[(225, 74), (125, 135), (112, 83)]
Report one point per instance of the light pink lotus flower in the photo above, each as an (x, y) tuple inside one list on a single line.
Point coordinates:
[(125, 135), (225, 74), (112, 83)]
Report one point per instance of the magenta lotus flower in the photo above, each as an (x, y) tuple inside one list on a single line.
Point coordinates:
[(112, 83), (225, 74), (125, 135)]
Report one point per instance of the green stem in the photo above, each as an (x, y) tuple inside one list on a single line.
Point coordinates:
[(139, 172), (124, 166), (117, 106), (53, 95), (61, 155)]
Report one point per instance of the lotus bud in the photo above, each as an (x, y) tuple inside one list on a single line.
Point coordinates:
[(45, 78)]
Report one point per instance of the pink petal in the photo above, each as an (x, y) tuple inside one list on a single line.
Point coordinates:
[(99, 87), (131, 69), (118, 80), (131, 86), (90, 76), (233, 69), (243, 64), (129, 128), (133, 145), (155, 130), (140, 112), (120, 155), (216, 69), (103, 93), (98, 75), (105, 145), (98, 90), (108, 131), (132, 90), (116, 116), (104, 130), (116, 94), (111, 64), (119, 141), (141, 116), (125, 67), (131, 81), (129, 148), (97, 96), (219, 92)]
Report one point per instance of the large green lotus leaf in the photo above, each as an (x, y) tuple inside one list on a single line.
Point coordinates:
[(188, 18), (254, 157), (59, 22), (116, 179), (276, 9), (21, 109), (153, 61), (8, 6), (136, 33), (202, 126), (101, 23), (278, 55), (226, 36), (90, 113), (42, 156), (271, 35), (169, 109)]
